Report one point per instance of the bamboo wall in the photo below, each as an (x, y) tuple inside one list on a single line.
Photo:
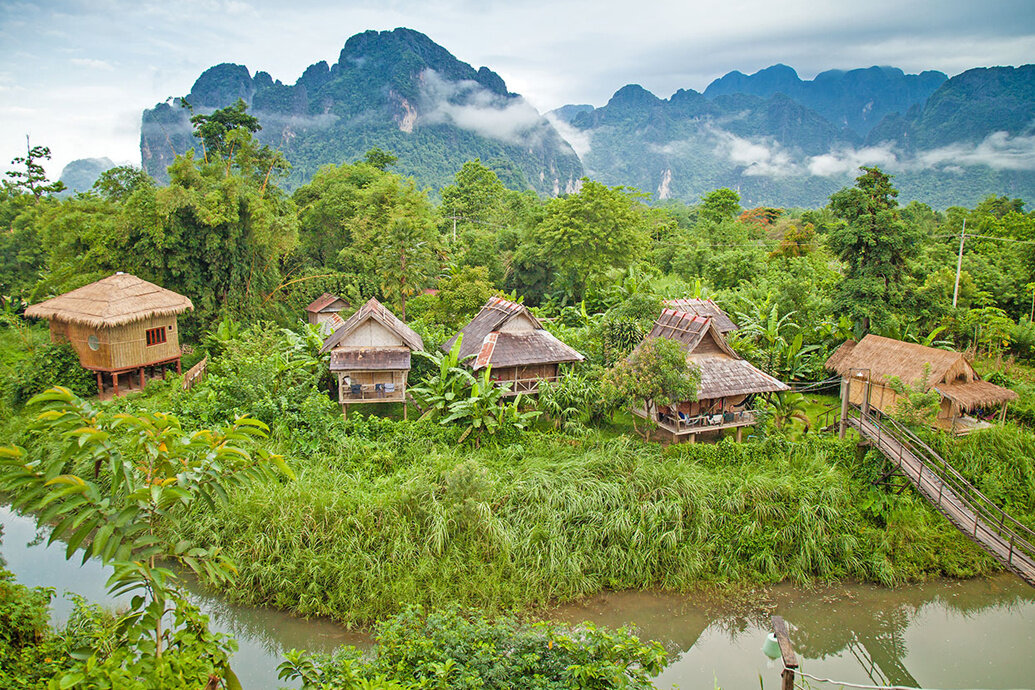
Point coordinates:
[(120, 347), (885, 399), (368, 379)]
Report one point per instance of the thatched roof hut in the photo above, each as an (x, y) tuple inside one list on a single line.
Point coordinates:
[(877, 359), (506, 334), (706, 308), (378, 313), (119, 325), (113, 301), (724, 373), (370, 354)]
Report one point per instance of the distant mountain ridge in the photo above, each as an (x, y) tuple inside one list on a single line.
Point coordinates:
[(783, 141), (778, 139), (395, 89)]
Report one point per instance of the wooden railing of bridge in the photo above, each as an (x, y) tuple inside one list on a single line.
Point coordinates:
[(195, 374), (983, 521)]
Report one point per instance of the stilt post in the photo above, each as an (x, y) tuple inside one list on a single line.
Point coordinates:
[(790, 660), (142, 378), (100, 385), (846, 392)]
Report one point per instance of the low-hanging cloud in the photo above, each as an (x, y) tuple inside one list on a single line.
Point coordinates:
[(760, 157), (999, 151), (843, 161), (470, 106), (581, 140)]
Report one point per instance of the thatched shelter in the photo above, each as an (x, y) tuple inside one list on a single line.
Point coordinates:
[(866, 368), (324, 311), (728, 381), (504, 335), (370, 353), (705, 308), (123, 328)]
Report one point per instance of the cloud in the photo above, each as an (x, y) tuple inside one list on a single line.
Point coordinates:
[(848, 160), (92, 64), (998, 151), (759, 157), (470, 106), (580, 139)]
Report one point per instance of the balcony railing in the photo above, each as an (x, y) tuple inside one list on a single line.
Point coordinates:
[(524, 386), (371, 392), (684, 424)]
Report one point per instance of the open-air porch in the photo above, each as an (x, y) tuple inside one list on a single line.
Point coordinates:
[(686, 420)]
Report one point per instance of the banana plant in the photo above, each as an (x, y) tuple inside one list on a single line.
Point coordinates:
[(484, 411), (439, 392)]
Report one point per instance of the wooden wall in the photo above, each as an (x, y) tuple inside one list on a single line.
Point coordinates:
[(121, 347), (884, 398), (370, 378), (371, 334)]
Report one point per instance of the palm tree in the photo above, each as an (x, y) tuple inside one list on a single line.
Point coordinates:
[(788, 407)]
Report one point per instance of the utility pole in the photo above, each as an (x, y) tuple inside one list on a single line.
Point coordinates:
[(959, 265)]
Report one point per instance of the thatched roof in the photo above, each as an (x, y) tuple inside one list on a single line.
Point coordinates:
[(327, 303), (379, 313), (886, 357), (726, 378), (723, 372), (976, 394), (951, 375), (371, 359), (113, 301), (704, 307), (488, 338)]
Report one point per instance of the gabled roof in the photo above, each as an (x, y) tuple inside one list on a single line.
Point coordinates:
[(483, 338), (886, 357), (688, 329), (704, 307), (113, 301), (379, 313), (724, 373), (881, 358), (326, 302)]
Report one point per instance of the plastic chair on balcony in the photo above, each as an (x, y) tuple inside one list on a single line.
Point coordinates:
[(379, 389), (356, 390), (389, 388)]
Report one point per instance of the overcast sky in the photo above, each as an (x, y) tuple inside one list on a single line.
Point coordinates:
[(76, 74)]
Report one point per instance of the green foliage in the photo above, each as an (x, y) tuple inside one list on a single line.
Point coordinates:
[(52, 364), (655, 374), (874, 244), (29, 651), (918, 401), (587, 233), (116, 482), (214, 130), (33, 179), (451, 649), (722, 204)]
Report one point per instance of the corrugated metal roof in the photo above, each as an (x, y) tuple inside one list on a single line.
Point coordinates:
[(370, 359), (508, 349), (324, 301), (706, 308)]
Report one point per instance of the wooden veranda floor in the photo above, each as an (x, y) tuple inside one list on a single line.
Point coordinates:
[(985, 523)]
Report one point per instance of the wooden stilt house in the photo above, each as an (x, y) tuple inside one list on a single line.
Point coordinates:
[(370, 354), (123, 328), (507, 337), (867, 366), (705, 308), (728, 381), (324, 311)]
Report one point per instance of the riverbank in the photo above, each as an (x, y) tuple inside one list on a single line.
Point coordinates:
[(853, 631)]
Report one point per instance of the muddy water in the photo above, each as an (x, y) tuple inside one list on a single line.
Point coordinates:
[(976, 634)]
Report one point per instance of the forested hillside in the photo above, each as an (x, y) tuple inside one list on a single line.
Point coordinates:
[(778, 139), (396, 90)]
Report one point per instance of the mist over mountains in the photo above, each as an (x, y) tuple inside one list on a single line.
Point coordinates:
[(778, 139)]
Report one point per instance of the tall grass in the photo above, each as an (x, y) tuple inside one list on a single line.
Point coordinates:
[(381, 524)]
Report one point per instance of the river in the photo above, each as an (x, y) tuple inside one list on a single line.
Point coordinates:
[(945, 634)]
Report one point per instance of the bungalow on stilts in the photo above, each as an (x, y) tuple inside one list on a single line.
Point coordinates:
[(123, 328), (370, 354), (507, 337), (867, 366), (728, 382)]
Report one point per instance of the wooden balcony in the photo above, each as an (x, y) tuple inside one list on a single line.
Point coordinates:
[(370, 393), (529, 386), (681, 425)]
